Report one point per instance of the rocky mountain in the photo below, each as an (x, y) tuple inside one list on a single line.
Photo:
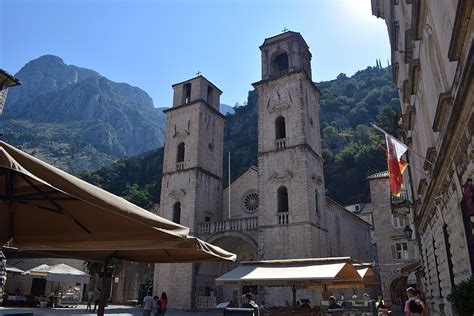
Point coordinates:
[(226, 109), (351, 148), (77, 119)]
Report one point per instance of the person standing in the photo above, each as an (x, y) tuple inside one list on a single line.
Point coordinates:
[(250, 303), (156, 306), (334, 308), (90, 297), (147, 304), (414, 306), (163, 303), (96, 299)]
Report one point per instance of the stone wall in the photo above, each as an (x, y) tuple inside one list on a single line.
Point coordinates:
[(246, 184), (349, 235), (432, 60)]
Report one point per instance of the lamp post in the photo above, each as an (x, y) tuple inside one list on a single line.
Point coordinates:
[(408, 232), (3, 274)]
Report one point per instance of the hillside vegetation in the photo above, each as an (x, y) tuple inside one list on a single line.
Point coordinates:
[(351, 149)]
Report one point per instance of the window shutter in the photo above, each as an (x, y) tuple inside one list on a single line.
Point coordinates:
[(394, 252)]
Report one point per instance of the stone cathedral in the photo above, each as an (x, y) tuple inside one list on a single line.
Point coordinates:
[(278, 209)]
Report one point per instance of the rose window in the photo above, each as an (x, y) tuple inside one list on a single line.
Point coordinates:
[(251, 202)]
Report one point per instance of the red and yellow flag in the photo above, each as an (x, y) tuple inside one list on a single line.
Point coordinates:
[(396, 165)]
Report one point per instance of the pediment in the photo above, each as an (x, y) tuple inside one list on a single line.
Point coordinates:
[(176, 194), (278, 107), (281, 176), (181, 134)]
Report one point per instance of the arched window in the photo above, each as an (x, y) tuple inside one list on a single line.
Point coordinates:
[(282, 200), (280, 128), (180, 155), (177, 212), (280, 63)]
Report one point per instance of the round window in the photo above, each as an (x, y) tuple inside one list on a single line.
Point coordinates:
[(251, 202)]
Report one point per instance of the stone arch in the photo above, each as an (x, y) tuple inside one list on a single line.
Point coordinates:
[(206, 272), (280, 127), (177, 212), (249, 239), (279, 62), (180, 152), (282, 200), (398, 286)]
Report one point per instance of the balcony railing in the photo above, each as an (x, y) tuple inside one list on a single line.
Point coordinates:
[(283, 218), (401, 204), (236, 224), (180, 165), (400, 201), (280, 143), (206, 302)]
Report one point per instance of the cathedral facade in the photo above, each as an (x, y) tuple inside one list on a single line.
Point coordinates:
[(276, 210)]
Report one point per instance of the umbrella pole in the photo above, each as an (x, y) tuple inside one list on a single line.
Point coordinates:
[(293, 289), (101, 310)]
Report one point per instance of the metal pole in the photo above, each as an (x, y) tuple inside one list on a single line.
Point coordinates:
[(103, 290), (293, 289), (229, 185)]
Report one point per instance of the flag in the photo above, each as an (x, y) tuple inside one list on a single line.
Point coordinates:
[(396, 165)]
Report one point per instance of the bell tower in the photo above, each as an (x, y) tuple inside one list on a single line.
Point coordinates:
[(191, 184), (291, 183)]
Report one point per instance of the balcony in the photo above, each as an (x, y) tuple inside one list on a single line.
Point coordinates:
[(180, 165), (401, 204), (283, 218), (280, 143), (237, 224)]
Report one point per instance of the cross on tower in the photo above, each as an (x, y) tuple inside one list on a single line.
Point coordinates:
[(285, 30), (198, 73)]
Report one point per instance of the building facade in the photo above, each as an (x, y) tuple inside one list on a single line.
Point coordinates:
[(432, 61), (276, 210), (392, 231)]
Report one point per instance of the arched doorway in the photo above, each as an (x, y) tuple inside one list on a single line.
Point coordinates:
[(206, 290), (398, 291)]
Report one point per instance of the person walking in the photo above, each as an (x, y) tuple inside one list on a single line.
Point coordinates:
[(163, 303), (147, 304)]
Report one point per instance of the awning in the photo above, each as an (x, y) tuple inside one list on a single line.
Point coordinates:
[(44, 208), (411, 267), (13, 270), (292, 272), (367, 274), (190, 250)]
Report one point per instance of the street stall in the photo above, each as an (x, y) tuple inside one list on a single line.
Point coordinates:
[(46, 212), (323, 273), (60, 281)]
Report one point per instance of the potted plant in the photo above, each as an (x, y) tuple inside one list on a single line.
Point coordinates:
[(462, 297)]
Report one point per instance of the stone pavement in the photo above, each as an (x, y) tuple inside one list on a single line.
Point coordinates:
[(112, 310)]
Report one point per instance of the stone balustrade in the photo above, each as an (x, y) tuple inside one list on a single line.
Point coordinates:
[(180, 165), (236, 224), (280, 143), (283, 218)]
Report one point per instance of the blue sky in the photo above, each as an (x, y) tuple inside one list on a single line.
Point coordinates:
[(152, 44)]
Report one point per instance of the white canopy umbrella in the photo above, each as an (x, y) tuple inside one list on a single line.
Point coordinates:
[(60, 273)]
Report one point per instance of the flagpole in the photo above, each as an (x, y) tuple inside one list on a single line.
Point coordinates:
[(387, 134), (229, 185)]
